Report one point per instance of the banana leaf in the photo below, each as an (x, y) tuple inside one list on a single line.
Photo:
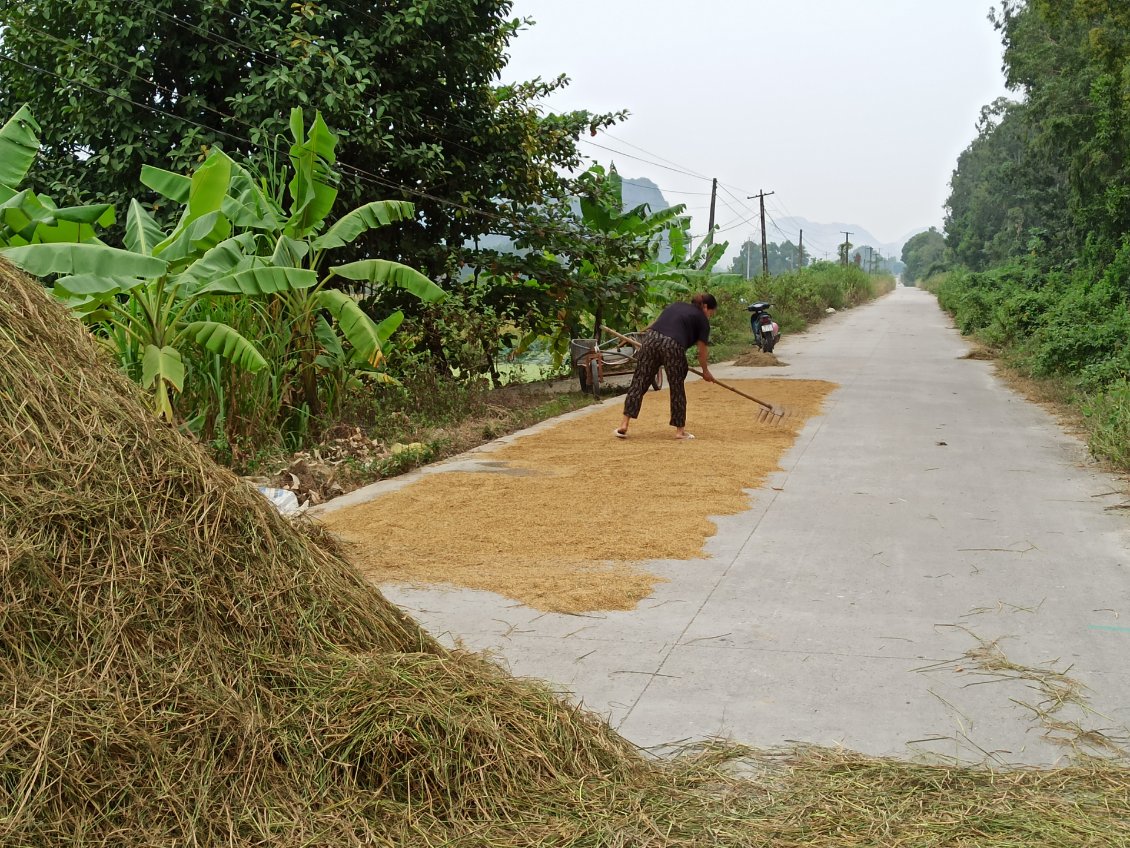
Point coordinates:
[(143, 233), (19, 146), (260, 281), (385, 272), (93, 259), (226, 342), (379, 213)]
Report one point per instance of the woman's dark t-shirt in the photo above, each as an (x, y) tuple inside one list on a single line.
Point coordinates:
[(684, 322)]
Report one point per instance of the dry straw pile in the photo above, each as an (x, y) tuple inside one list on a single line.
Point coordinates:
[(180, 667)]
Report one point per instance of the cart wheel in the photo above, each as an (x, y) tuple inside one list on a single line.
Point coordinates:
[(583, 378), (657, 380), (594, 377)]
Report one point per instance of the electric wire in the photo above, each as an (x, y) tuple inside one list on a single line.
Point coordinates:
[(618, 140), (283, 60), (225, 42), (638, 159)]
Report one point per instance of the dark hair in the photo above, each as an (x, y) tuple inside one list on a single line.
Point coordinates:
[(703, 299)]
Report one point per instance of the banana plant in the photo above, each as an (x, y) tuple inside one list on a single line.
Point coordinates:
[(30, 218), (151, 299), (687, 270), (234, 238), (626, 241), (289, 231)]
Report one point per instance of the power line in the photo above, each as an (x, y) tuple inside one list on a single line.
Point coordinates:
[(205, 34), (639, 159), (228, 43), (359, 174), (651, 184), (649, 153)]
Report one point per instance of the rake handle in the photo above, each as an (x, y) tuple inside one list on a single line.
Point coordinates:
[(717, 382)]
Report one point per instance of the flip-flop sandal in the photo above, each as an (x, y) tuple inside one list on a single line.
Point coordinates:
[(619, 434), (685, 437)]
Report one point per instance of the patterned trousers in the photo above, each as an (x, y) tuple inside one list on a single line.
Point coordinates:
[(659, 350)]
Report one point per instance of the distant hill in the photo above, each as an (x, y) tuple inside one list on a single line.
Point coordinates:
[(636, 190), (826, 238), (820, 239)]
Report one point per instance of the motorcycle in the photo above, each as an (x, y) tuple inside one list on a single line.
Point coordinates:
[(765, 329)]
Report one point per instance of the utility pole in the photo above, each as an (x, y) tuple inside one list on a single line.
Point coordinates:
[(870, 260), (748, 254), (847, 247), (713, 200), (761, 195), (800, 252)]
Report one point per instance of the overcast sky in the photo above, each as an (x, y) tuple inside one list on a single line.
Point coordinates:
[(851, 112)]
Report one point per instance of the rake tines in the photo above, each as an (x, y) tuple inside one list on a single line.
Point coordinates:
[(772, 415), (768, 414)]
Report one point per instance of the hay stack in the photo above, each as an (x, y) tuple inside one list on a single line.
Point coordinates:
[(180, 666)]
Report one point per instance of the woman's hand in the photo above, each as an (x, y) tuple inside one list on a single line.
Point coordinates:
[(703, 358)]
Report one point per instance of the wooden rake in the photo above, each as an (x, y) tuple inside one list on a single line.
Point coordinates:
[(768, 414)]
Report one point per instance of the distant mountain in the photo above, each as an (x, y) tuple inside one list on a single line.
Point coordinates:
[(820, 240), (635, 191), (826, 238)]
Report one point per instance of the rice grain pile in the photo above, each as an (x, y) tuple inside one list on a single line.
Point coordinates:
[(567, 529), (180, 667)]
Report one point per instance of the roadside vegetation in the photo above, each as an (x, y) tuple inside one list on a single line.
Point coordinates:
[(799, 298), (1035, 261)]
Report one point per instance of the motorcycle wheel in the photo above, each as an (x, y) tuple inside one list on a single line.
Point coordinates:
[(767, 344)]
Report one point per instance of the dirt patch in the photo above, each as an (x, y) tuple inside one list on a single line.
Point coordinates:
[(759, 359), (568, 536)]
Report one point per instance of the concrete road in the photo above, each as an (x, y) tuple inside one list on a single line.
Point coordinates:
[(939, 571)]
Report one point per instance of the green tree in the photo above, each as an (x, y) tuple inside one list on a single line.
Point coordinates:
[(412, 87), (782, 259), (1008, 187), (748, 261), (924, 254), (1071, 61)]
